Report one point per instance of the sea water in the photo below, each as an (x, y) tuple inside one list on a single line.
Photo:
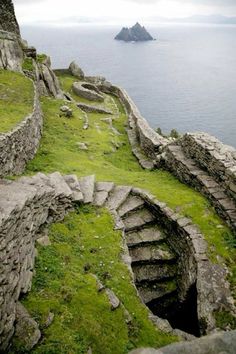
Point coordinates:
[(186, 79)]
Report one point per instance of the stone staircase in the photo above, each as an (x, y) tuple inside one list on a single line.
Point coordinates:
[(189, 171), (166, 253)]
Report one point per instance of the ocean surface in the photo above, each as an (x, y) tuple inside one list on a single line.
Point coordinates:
[(186, 79)]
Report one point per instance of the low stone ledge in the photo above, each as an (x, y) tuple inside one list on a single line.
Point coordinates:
[(19, 146), (149, 141), (217, 158)]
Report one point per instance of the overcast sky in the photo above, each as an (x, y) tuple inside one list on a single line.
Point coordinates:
[(36, 11)]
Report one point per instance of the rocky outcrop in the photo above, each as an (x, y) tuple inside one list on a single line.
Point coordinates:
[(11, 52), (19, 146), (137, 33), (218, 343), (8, 21), (48, 83), (76, 71)]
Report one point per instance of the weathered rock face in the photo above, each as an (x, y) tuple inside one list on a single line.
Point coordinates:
[(76, 71), (48, 83), (19, 146), (219, 343), (12, 55), (137, 33), (8, 20)]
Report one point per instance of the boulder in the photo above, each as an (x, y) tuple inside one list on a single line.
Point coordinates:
[(27, 333), (218, 343), (75, 70)]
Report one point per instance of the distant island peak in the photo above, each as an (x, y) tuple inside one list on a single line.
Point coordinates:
[(137, 33)]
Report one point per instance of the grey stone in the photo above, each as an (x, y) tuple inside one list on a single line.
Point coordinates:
[(75, 70), (44, 241), (113, 299), (217, 343), (82, 146), (93, 109), (131, 203), (66, 111), (144, 236), (150, 253), (27, 333), (88, 91), (138, 219), (117, 197), (87, 186)]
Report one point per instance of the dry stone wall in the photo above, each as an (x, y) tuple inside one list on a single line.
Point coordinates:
[(218, 159), (149, 141), (19, 146), (26, 206)]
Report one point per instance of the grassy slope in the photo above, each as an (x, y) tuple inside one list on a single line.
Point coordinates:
[(87, 311), (16, 99)]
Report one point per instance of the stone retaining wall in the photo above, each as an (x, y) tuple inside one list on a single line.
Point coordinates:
[(25, 206), (19, 146), (218, 159), (150, 142)]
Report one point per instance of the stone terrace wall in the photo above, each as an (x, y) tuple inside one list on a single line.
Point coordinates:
[(150, 142), (25, 206), (218, 159), (19, 146)]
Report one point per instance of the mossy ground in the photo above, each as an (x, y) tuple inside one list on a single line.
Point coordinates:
[(83, 245), (85, 320), (16, 99)]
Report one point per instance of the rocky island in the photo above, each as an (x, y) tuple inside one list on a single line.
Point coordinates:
[(137, 33)]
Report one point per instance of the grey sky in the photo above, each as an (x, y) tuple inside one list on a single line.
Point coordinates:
[(33, 11)]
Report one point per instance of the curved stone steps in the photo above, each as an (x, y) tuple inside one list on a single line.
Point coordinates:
[(152, 272), (132, 203), (151, 254), (117, 197), (188, 171), (151, 291), (138, 219), (147, 235)]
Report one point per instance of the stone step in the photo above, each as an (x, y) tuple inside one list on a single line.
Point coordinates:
[(152, 272), (144, 236), (102, 190), (156, 290), (188, 171), (118, 197), (151, 254), (131, 203), (74, 185), (57, 182), (87, 186), (144, 161), (138, 219)]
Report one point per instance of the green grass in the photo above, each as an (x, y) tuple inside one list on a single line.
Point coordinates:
[(16, 99), (83, 318)]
